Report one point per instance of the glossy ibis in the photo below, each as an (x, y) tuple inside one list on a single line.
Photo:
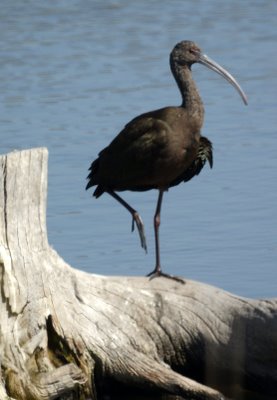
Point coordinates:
[(161, 148)]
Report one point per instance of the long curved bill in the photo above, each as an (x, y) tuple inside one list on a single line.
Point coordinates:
[(205, 60)]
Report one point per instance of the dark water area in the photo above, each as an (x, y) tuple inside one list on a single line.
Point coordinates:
[(74, 72)]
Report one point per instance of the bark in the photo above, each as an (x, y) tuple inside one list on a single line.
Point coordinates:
[(68, 334)]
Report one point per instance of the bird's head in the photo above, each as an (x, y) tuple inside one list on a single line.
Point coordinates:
[(186, 53)]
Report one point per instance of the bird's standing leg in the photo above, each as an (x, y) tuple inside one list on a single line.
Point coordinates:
[(136, 218), (157, 221)]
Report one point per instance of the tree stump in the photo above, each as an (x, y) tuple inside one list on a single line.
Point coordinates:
[(67, 334)]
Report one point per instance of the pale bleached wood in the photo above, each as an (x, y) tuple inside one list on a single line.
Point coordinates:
[(65, 333)]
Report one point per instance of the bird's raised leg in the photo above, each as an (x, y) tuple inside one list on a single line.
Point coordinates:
[(157, 221), (136, 219)]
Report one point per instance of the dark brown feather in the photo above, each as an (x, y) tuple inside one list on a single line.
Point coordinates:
[(149, 153), (204, 154)]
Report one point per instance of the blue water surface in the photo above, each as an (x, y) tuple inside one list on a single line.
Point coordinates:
[(74, 72)]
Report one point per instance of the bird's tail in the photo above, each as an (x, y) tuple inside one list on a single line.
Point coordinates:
[(93, 180)]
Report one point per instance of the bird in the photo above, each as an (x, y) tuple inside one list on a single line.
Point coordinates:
[(161, 148)]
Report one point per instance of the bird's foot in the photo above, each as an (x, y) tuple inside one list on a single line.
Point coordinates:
[(138, 221), (156, 273)]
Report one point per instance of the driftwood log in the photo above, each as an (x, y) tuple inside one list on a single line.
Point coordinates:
[(67, 334)]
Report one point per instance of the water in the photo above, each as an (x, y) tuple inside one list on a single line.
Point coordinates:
[(74, 72)]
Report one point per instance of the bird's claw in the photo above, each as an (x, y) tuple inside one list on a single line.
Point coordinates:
[(138, 221), (156, 273)]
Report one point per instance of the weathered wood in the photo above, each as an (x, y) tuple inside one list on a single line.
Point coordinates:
[(68, 334)]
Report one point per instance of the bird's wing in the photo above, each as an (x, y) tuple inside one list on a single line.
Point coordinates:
[(141, 134), (130, 158)]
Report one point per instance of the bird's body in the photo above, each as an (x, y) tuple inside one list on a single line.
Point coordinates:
[(148, 150), (161, 148)]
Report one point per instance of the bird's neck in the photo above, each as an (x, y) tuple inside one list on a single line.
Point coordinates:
[(191, 99)]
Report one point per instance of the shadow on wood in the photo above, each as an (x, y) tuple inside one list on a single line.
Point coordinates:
[(68, 334)]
